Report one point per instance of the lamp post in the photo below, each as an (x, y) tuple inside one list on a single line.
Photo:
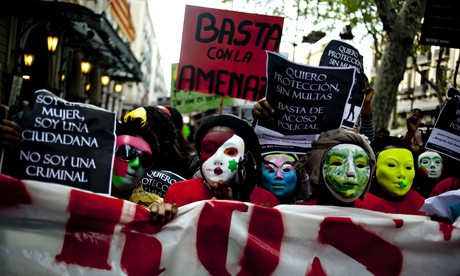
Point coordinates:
[(118, 102), (28, 61)]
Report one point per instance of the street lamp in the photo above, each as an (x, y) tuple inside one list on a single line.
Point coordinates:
[(85, 67), (118, 87), (28, 59), (52, 43), (105, 80)]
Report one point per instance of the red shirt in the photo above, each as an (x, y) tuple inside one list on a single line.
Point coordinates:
[(410, 205), (192, 190), (448, 184)]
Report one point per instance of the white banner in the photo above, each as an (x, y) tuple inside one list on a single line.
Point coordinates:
[(51, 229)]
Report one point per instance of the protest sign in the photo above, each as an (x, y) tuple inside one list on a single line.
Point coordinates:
[(186, 101), (307, 101), (341, 54), (60, 230), (445, 135), (66, 143), (441, 23), (223, 52), (158, 182)]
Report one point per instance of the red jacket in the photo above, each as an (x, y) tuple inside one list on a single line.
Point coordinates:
[(409, 205), (192, 190)]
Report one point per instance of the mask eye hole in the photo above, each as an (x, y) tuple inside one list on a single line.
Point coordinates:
[(232, 152), (336, 163)]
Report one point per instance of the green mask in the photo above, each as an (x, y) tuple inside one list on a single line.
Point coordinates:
[(346, 171)]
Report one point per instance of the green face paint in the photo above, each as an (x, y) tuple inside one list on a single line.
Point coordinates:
[(346, 171)]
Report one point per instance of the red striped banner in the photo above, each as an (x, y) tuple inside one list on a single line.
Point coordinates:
[(121, 12), (52, 229)]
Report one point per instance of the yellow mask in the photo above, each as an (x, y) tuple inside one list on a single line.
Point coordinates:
[(395, 171)]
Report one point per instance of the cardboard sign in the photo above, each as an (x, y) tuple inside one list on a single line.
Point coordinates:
[(65, 143), (186, 101), (223, 52), (158, 182), (56, 230), (307, 101), (445, 135), (441, 23)]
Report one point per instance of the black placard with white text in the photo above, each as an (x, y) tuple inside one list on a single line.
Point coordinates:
[(307, 101), (445, 135), (341, 54), (65, 143)]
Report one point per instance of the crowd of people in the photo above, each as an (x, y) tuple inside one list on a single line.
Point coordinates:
[(360, 168)]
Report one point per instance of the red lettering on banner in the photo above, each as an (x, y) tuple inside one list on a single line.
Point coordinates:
[(12, 192), (265, 235), (446, 230), (399, 223), (87, 239), (214, 228), (316, 268), (141, 253), (376, 254)]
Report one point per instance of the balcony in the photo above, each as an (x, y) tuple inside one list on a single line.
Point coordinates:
[(420, 91), (445, 54), (424, 59)]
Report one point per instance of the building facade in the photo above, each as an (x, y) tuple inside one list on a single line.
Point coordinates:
[(70, 47), (415, 90)]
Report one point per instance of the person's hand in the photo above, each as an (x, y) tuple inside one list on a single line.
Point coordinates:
[(263, 110), (9, 133), (413, 120), (366, 110), (161, 213), (221, 191)]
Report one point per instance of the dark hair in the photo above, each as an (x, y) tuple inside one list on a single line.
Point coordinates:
[(169, 154), (384, 131), (240, 126), (186, 148), (389, 141)]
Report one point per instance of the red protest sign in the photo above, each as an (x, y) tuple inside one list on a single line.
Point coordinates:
[(224, 52)]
